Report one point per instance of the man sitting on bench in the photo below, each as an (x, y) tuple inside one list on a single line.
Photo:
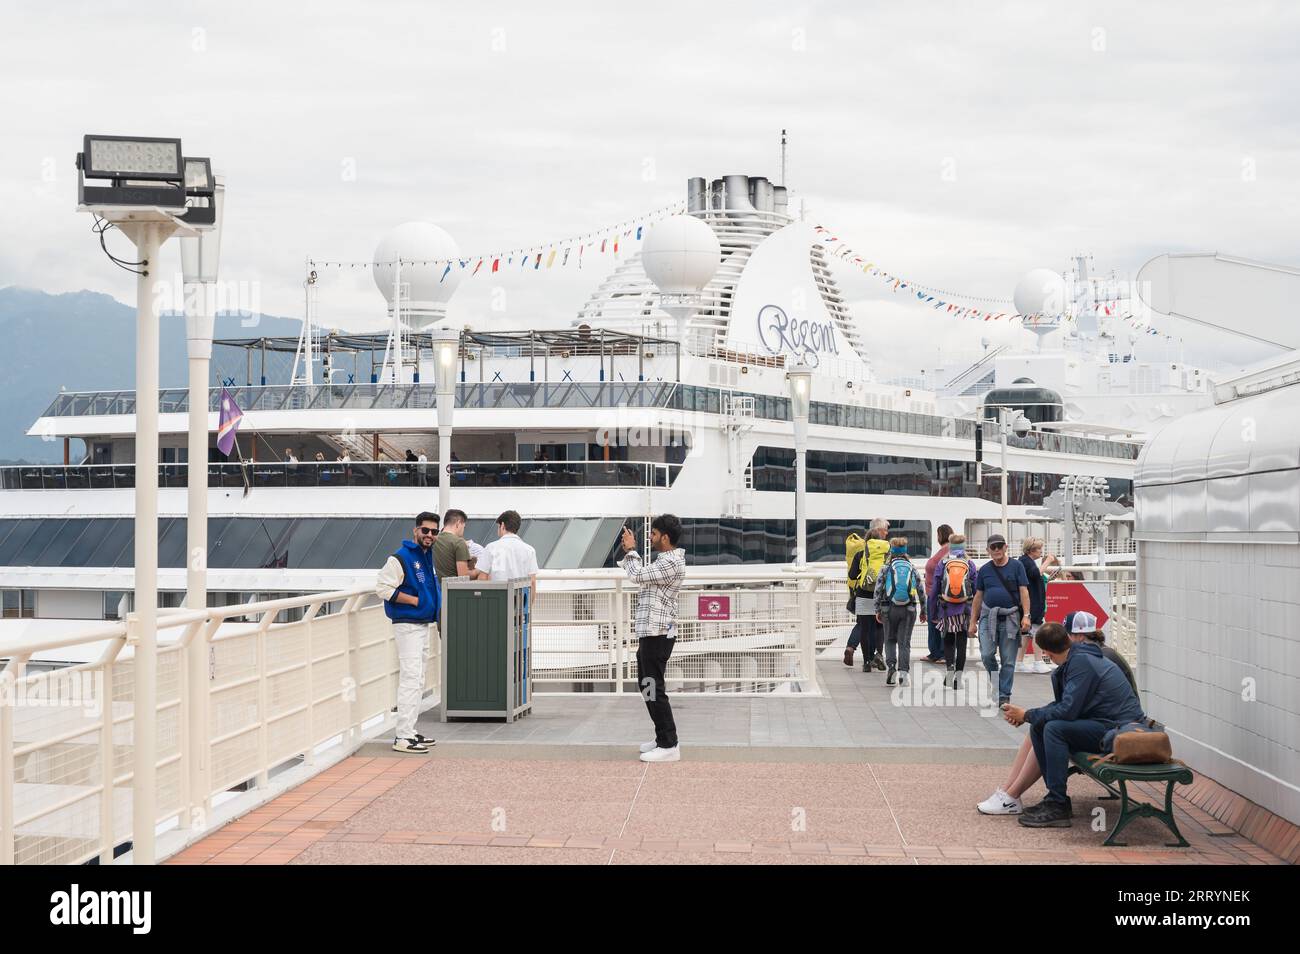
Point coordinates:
[(1093, 697)]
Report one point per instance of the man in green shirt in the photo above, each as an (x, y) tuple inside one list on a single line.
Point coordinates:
[(450, 551)]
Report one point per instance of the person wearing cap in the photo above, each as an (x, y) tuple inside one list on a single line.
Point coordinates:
[(1025, 772), (1000, 614), (1092, 699), (1083, 625)]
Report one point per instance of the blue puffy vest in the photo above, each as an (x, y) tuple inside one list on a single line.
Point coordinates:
[(420, 580)]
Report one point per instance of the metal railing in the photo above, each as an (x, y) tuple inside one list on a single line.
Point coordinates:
[(386, 473), (236, 702)]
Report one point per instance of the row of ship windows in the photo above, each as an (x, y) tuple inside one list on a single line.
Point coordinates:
[(835, 472)]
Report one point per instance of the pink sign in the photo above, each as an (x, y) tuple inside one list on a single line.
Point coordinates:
[(715, 607)]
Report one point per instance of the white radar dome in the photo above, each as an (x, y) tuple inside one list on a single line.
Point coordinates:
[(1040, 293), (680, 255), (423, 249)]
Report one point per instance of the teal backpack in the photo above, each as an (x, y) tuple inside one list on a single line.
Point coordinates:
[(899, 584)]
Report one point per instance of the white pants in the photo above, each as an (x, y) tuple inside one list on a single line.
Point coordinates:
[(412, 655)]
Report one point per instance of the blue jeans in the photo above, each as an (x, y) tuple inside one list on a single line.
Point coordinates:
[(936, 641), (869, 634), (1004, 644), (1054, 741)]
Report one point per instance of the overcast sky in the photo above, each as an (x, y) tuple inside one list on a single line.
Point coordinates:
[(956, 144)]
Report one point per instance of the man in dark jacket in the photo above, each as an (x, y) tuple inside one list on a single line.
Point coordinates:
[(1092, 697)]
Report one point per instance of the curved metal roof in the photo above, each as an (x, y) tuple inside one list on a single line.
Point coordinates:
[(1254, 435)]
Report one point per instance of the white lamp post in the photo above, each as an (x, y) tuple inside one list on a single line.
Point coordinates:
[(200, 261), (799, 380), (146, 201), (446, 344)]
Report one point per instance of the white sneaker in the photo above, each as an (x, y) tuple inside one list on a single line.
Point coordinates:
[(649, 746), (663, 755), (1023, 666), (410, 746), (1042, 666), (1000, 803)]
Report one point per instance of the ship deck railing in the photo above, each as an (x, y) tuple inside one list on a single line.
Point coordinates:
[(534, 395), (373, 474)]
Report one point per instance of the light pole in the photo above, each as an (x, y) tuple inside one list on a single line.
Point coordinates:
[(446, 344), (799, 381), (146, 201), (1010, 420), (200, 262)]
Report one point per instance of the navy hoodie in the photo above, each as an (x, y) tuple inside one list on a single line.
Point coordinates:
[(1089, 686)]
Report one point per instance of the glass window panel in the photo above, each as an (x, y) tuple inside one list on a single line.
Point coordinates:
[(601, 551), (224, 550), (561, 544), (330, 544), (26, 554), (173, 541), (355, 554), (388, 540), (60, 545), (268, 547)]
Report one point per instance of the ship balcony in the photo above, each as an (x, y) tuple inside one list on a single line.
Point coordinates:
[(372, 474)]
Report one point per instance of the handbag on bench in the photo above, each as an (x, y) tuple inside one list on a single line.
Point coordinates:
[(1137, 743)]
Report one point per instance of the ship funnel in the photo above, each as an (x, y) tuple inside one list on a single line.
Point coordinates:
[(760, 194), (780, 200), (697, 195), (736, 195), (715, 195)]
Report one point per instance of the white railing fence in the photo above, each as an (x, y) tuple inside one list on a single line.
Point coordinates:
[(736, 632), (238, 700)]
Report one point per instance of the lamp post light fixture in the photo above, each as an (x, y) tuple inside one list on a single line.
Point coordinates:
[(1010, 421), (798, 379), (446, 347), (146, 199), (200, 264)]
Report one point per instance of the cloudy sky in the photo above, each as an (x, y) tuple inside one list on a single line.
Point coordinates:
[(956, 144)]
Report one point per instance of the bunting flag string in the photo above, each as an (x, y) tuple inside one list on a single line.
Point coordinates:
[(557, 252), (938, 299)]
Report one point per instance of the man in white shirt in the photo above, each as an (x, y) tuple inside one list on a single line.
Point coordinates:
[(508, 557)]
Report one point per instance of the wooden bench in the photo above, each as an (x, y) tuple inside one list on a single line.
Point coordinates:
[(1109, 774)]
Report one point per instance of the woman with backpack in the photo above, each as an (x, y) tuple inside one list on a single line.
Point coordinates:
[(951, 591), (900, 594), (866, 559)]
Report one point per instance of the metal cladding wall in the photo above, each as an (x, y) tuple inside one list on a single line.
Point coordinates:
[(1217, 499)]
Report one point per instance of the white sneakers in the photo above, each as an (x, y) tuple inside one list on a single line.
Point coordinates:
[(657, 754), (1000, 803), (648, 746), (1042, 666)]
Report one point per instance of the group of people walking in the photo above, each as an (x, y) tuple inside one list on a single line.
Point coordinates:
[(1001, 603)]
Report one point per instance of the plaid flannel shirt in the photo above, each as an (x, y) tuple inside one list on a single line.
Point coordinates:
[(656, 604)]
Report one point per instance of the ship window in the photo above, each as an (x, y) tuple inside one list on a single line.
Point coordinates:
[(18, 604)]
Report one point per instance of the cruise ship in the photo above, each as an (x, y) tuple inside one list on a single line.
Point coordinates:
[(642, 405)]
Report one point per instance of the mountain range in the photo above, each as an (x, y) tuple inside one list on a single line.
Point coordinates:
[(85, 341)]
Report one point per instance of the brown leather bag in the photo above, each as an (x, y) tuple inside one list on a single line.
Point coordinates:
[(1139, 744)]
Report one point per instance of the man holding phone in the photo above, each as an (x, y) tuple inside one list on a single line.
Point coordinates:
[(655, 625)]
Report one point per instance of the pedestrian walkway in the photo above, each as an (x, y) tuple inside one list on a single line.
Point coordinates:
[(455, 809), (855, 710), (843, 778)]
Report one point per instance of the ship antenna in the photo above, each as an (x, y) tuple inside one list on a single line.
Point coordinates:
[(783, 157)]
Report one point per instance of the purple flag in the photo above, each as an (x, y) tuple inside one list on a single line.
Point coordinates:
[(228, 423)]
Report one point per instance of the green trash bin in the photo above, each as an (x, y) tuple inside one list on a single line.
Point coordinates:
[(486, 650)]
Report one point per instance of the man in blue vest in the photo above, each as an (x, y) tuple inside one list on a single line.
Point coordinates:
[(408, 585)]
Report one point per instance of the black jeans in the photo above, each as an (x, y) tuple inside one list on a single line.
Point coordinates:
[(652, 654)]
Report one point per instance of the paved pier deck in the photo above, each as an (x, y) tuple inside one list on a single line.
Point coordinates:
[(848, 777)]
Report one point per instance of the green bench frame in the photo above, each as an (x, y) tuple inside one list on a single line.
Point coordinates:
[(1109, 774)]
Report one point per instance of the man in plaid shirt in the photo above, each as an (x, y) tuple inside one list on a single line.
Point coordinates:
[(656, 627)]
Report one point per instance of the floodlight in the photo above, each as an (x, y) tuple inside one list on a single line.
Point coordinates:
[(135, 157), (198, 176)]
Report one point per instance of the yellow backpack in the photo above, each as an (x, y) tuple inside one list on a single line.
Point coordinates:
[(864, 578)]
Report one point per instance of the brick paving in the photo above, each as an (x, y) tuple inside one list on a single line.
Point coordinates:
[(462, 810)]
